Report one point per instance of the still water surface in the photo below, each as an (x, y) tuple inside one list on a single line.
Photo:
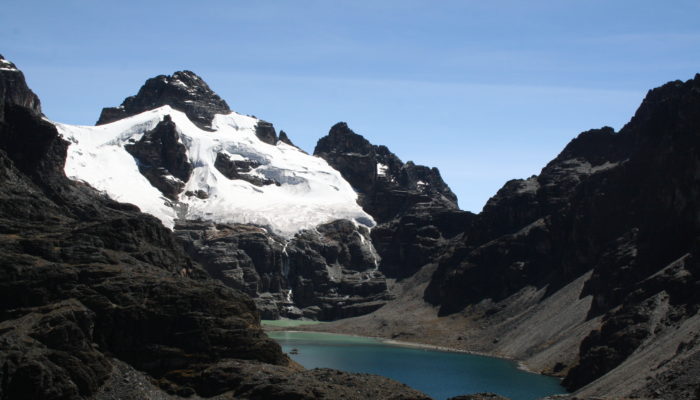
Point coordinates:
[(439, 374)]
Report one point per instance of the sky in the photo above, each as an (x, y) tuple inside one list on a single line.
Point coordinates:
[(486, 91)]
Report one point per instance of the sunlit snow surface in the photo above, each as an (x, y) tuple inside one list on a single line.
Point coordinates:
[(311, 192)]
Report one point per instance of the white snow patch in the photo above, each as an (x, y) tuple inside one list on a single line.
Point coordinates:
[(180, 83), (381, 169), (372, 250), (311, 192), (6, 66), (582, 166)]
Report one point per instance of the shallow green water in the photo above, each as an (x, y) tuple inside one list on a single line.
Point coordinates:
[(439, 374), (288, 323)]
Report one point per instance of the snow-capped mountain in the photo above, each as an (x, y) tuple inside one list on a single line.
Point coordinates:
[(223, 170), (256, 212)]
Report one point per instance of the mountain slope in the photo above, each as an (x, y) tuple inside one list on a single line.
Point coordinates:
[(619, 209)]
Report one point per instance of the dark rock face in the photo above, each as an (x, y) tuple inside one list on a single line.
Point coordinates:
[(239, 169), (162, 159), (659, 302), (14, 90), (91, 289), (335, 269), (285, 139), (325, 274), (351, 154), (266, 132), (416, 211), (623, 205), (242, 256), (417, 238), (56, 359), (183, 90)]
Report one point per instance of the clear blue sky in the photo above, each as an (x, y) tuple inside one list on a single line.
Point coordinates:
[(484, 90)]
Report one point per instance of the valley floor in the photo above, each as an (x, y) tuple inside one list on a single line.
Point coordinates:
[(411, 321), (542, 333)]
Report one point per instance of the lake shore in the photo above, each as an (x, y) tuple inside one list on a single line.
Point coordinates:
[(450, 367), (318, 327)]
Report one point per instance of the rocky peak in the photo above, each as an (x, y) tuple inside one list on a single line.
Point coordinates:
[(184, 91), (285, 139), (386, 185), (30, 142), (351, 154), (14, 90), (665, 112), (425, 179), (342, 139), (265, 131), (596, 146)]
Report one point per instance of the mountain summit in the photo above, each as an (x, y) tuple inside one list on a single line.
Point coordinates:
[(14, 90), (184, 91)]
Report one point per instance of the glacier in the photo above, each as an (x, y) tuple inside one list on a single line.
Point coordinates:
[(308, 192)]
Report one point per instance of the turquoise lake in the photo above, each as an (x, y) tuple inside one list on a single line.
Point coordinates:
[(440, 374)]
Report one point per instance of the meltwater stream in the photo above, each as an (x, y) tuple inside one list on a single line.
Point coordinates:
[(439, 374)]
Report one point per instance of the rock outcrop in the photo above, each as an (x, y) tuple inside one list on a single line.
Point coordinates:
[(239, 169), (325, 274), (162, 158)]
